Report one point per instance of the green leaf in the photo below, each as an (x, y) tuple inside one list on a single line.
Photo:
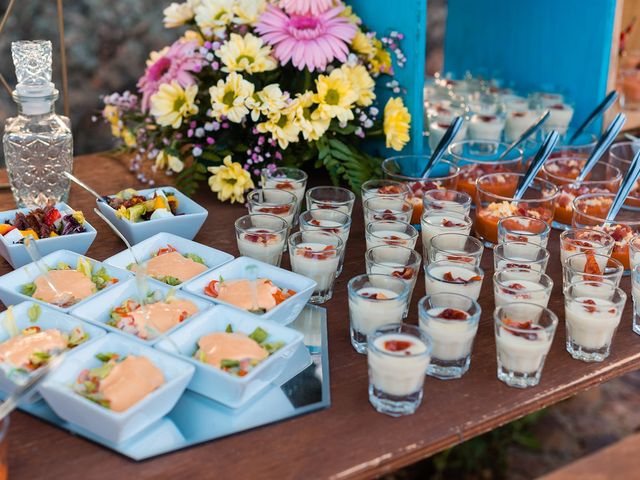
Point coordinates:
[(259, 335), (229, 329), (34, 312)]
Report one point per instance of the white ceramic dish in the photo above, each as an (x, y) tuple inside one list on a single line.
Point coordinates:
[(212, 258), (16, 253), (185, 224), (284, 313), (221, 386), (12, 282), (113, 426), (97, 310)]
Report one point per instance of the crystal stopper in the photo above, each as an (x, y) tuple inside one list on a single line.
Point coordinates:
[(32, 60)]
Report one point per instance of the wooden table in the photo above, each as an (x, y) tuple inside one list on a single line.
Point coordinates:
[(348, 440)]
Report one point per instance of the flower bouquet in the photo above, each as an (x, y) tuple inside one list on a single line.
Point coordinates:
[(256, 84)]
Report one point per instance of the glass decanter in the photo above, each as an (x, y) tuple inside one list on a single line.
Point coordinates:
[(38, 145)]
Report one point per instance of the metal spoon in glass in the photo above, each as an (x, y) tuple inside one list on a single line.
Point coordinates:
[(542, 155), (526, 134), (603, 144), (599, 110), (76, 180), (441, 148), (61, 299), (625, 187)]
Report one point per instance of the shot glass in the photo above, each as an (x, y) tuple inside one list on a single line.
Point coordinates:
[(290, 179), (262, 236), (454, 246), (444, 199), (523, 255), (384, 188), (585, 240), (524, 333), (374, 301), (507, 290), (523, 229), (448, 276), (592, 320), (451, 321), (398, 355), (273, 201), (330, 221), (387, 208), (435, 222), (316, 254), (397, 261), (332, 198), (635, 290), (390, 232), (634, 251), (589, 267)]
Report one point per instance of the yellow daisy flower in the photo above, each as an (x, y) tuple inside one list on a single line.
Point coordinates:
[(111, 114), (302, 107), (129, 138), (267, 101), (165, 159), (381, 61), (397, 120), (177, 14), (193, 36), (172, 103), (214, 14), (247, 11), (335, 96), (362, 82), (363, 45), (353, 18), (228, 97), (282, 126), (246, 54), (230, 181)]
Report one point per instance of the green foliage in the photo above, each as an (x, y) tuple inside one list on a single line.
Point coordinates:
[(187, 181), (345, 162)]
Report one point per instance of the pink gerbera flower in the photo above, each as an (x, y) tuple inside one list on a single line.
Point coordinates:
[(310, 41), (176, 63), (305, 7)]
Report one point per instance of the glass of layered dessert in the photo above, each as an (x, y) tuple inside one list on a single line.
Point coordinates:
[(522, 255), (387, 208), (316, 255), (454, 246), (484, 126), (435, 222), (450, 276), (274, 202), (517, 121), (591, 267), (327, 220), (290, 179), (524, 333), (451, 321), (390, 232), (592, 313), (523, 229), (374, 300), (331, 198), (518, 285), (262, 237), (398, 355), (494, 201), (620, 155), (450, 200)]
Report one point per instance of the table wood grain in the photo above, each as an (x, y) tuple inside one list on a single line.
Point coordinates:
[(348, 440)]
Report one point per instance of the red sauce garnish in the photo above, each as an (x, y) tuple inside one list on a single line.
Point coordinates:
[(448, 277), (280, 209), (406, 273), (449, 223), (397, 345), (589, 305), (385, 215), (260, 236), (309, 252), (452, 314)]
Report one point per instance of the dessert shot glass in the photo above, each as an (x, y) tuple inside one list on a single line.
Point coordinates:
[(390, 232), (384, 188), (523, 229), (290, 179), (444, 199), (435, 222), (451, 321), (273, 201), (448, 276), (327, 220), (534, 290), (316, 255), (332, 198), (374, 300), (524, 333), (523, 255), (398, 355), (262, 236), (397, 261), (588, 267), (585, 240), (387, 208), (635, 291), (454, 246), (592, 320)]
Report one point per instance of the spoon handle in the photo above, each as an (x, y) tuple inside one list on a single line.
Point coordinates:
[(541, 156), (526, 134), (603, 144), (446, 139), (627, 184), (117, 232), (76, 180), (604, 105)]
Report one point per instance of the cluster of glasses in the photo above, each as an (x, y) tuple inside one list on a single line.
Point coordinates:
[(317, 249)]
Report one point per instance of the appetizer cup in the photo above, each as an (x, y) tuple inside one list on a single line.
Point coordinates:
[(274, 202), (449, 276), (262, 236), (436, 222), (635, 289), (585, 240), (587, 267), (114, 426), (290, 179), (387, 208), (451, 321), (384, 188), (525, 289), (390, 232), (450, 200), (524, 333), (375, 300), (332, 221), (331, 198), (523, 229), (592, 319), (455, 246), (522, 255), (620, 155), (398, 355)]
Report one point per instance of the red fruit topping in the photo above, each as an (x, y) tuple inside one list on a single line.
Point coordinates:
[(278, 210), (527, 325), (612, 311), (591, 265), (167, 249), (397, 345), (51, 216), (589, 305), (516, 238), (406, 273), (452, 314), (458, 258), (517, 265), (448, 277), (516, 286), (390, 189), (518, 114), (374, 296), (486, 118), (260, 236), (557, 106), (443, 125), (284, 186), (393, 237), (308, 252), (449, 223)]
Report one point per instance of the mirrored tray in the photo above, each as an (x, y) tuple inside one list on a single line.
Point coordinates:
[(196, 419)]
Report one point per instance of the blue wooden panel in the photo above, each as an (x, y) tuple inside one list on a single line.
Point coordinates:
[(410, 18), (560, 45)]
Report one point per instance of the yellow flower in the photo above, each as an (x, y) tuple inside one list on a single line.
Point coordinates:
[(214, 15), (381, 61), (172, 103), (362, 82), (348, 12), (165, 159), (363, 45), (247, 11), (111, 114), (177, 14), (246, 54), (267, 101), (228, 97), (397, 120), (335, 96), (193, 36), (129, 138), (312, 129), (282, 126), (230, 181)]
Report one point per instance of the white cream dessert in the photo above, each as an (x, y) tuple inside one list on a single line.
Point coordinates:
[(547, 99), (389, 237), (286, 212), (329, 205), (569, 248), (585, 286), (436, 222), (443, 112), (381, 208), (451, 278), (517, 122), (451, 332), (591, 322), (400, 370), (449, 200), (520, 255), (486, 127), (518, 231), (373, 307), (522, 348), (290, 185), (521, 291), (514, 102), (316, 261), (560, 115), (261, 244), (438, 129)]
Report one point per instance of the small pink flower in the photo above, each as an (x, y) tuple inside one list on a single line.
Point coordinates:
[(304, 7), (310, 41)]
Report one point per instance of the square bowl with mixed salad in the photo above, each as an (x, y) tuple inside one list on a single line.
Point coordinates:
[(70, 280), (116, 387), (30, 335), (162, 310), (53, 227), (236, 356), (265, 291), (140, 214), (171, 259)]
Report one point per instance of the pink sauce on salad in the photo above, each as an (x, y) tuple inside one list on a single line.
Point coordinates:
[(18, 350), (173, 264), (161, 316), (230, 346), (129, 382), (241, 293), (70, 282)]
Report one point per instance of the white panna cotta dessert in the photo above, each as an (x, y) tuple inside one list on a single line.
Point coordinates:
[(591, 324), (513, 102), (261, 244), (560, 115), (438, 129), (520, 255), (486, 127), (436, 222), (292, 185), (453, 277), (517, 122), (523, 229), (316, 261), (456, 247), (451, 332), (522, 347), (387, 208), (447, 200), (529, 291), (579, 250)]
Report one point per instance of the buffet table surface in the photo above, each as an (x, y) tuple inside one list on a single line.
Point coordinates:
[(350, 439)]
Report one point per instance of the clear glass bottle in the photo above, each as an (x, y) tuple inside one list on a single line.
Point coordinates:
[(38, 145)]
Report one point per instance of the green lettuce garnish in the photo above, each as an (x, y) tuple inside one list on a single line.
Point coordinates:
[(34, 312), (28, 289), (194, 257)]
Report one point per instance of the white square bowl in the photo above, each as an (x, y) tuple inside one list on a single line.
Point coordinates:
[(186, 224), (284, 313), (16, 253), (212, 258), (97, 310), (113, 426), (224, 387), (12, 282), (49, 318)]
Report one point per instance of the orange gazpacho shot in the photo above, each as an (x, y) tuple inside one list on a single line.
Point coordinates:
[(502, 185), (487, 218)]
